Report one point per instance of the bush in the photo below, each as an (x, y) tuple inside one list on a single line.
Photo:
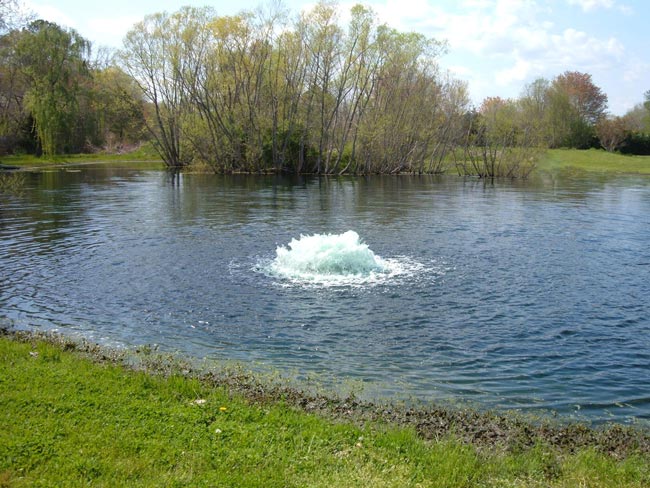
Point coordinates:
[(636, 143)]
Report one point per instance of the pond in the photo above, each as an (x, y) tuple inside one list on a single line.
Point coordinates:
[(508, 295)]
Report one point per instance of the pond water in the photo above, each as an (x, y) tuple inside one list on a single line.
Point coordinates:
[(508, 295)]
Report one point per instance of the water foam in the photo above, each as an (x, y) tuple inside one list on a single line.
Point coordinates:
[(333, 260)]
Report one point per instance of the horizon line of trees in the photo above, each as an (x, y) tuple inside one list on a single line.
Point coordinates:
[(260, 91)]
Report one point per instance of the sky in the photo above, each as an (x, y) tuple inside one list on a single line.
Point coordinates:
[(496, 46)]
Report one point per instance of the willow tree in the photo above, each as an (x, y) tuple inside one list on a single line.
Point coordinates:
[(231, 90), (53, 61), (14, 122), (447, 123), (358, 82)]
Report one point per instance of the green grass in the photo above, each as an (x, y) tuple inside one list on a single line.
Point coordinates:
[(68, 421), (554, 160), (593, 160), (143, 157)]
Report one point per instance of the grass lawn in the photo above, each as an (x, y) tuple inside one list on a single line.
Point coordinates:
[(144, 157), (593, 160), (70, 421)]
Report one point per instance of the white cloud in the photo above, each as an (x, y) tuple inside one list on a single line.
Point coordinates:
[(461, 71), (50, 13), (508, 43), (588, 5), (518, 73), (110, 31), (636, 70), (104, 31)]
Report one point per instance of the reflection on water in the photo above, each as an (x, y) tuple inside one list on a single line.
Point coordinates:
[(527, 295)]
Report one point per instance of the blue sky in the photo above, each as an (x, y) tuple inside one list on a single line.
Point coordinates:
[(496, 46)]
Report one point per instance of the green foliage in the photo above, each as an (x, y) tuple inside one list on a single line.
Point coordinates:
[(54, 62), (256, 92), (501, 141), (53, 102), (259, 92), (636, 143), (69, 422), (160, 54), (565, 110), (646, 105)]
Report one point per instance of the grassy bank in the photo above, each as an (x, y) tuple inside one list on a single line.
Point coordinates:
[(593, 160), (143, 156), (71, 421), (554, 160)]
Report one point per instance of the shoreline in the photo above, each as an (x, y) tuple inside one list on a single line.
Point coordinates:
[(485, 430), (554, 161)]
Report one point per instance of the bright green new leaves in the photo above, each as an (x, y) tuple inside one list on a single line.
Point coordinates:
[(257, 92), (54, 62)]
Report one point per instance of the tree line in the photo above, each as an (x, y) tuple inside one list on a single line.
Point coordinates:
[(56, 99), (262, 91), (257, 92)]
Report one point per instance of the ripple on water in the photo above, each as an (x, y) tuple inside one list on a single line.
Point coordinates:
[(519, 297)]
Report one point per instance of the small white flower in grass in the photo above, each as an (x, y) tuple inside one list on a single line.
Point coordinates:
[(199, 401)]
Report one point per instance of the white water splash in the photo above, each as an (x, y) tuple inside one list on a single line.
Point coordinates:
[(335, 260)]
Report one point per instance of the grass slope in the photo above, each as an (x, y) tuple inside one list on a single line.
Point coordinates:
[(593, 160), (68, 421)]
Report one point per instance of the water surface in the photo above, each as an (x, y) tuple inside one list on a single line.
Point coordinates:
[(528, 296)]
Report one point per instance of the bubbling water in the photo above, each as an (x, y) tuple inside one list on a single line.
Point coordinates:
[(333, 260)]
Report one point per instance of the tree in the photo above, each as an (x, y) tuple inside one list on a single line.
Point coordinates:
[(535, 102), (574, 105), (157, 53), (583, 95), (15, 126), (637, 125), (11, 15), (255, 92), (635, 118), (646, 104), (53, 62), (611, 132), (117, 108)]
